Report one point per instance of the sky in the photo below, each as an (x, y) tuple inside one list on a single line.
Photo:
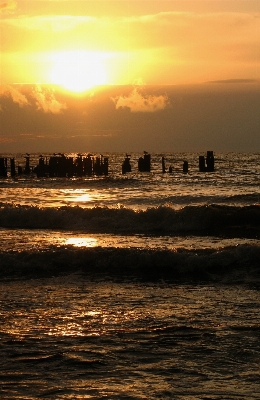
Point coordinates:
[(123, 75)]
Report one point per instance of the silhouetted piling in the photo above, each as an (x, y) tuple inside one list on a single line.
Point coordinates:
[(163, 165), (105, 166), (62, 166), (27, 169), (53, 166), (126, 166), (202, 165), (41, 168), (100, 166), (88, 165), (79, 165), (209, 161), (12, 163), (97, 166), (144, 163), (70, 167), (185, 167), (3, 167)]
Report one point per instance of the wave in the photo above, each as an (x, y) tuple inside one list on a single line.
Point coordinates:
[(237, 264), (213, 220)]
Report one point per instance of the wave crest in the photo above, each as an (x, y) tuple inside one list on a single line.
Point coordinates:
[(212, 219), (231, 265)]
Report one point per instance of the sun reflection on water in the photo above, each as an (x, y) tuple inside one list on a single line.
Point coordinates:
[(82, 198), (82, 241)]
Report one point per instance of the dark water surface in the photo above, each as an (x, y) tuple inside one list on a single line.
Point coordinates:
[(135, 286), (75, 338)]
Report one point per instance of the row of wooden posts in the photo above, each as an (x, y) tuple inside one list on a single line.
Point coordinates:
[(63, 166), (58, 166), (144, 164)]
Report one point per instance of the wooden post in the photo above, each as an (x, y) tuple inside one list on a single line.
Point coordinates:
[(210, 161), (3, 167), (126, 166), (202, 166), (163, 165), (185, 167), (12, 161)]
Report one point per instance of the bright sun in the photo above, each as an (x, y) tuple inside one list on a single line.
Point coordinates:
[(78, 71)]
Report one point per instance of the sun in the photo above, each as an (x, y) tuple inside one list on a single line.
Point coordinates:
[(78, 71)]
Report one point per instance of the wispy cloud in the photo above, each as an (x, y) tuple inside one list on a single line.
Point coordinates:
[(235, 81), (138, 102), (53, 23)]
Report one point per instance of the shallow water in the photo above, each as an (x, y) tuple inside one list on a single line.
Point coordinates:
[(19, 240)]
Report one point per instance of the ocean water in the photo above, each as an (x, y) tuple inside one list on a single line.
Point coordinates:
[(143, 285)]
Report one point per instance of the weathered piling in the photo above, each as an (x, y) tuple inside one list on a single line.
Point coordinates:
[(41, 169), (53, 166), (100, 166), (70, 167), (27, 169), (185, 167), (3, 167), (210, 161), (62, 166), (79, 166), (208, 164), (144, 163), (202, 165), (126, 166), (163, 165), (88, 165), (12, 166), (105, 166)]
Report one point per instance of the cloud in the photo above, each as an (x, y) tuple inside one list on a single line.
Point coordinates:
[(53, 23), (236, 81), (8, 6), (15, 94), (46, 101), (44, 98), (137, 102)]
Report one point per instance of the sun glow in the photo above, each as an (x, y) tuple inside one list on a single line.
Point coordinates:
[(78, 71)]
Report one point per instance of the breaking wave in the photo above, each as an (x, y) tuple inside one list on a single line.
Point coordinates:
[(236, 264), (218, 220)]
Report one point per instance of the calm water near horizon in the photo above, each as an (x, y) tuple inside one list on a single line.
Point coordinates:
[(132, 286)]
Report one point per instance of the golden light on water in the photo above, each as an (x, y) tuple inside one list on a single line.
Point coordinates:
[(81, 242), (84, 197)]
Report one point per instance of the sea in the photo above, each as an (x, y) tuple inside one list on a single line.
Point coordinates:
[(137, 285)]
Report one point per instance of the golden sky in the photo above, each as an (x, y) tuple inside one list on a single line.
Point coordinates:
[(83, 43), (128, 75)]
